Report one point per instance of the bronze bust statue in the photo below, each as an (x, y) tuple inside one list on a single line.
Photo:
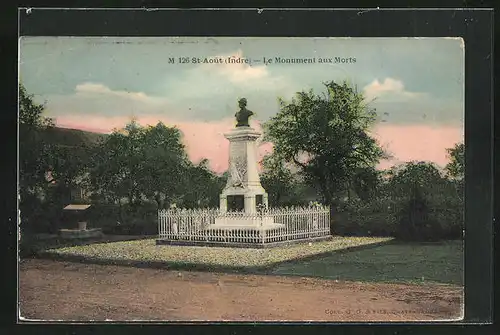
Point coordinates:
[(243, 114)]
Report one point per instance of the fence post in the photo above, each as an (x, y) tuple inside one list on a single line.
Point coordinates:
[(329, 220)]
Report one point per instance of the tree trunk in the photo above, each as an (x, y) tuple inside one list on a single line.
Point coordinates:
[(278, 197), (130, 198), (158, 201), (120, 210)]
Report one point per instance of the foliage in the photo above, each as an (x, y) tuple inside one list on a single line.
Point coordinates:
[(277, 180), (69, 169), (34, 157), (326, 136), (202, 186), (366, 182), (456, 167), (124, 219), (404, 179), (138, 163), (321, 143), (33, 151), (48, 169), (375, 217), (147, 165), (425, 195), (414, 202), (415, 221)]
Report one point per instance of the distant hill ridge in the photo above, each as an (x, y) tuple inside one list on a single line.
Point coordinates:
[(72, 137)]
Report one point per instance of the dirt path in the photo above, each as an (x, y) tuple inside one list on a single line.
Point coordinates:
[(69, 291)]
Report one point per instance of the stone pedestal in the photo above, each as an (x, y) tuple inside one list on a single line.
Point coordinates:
[(243, 191)]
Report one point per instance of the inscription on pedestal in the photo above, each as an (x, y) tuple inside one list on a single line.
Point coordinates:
[(259, 200), (235, 203)]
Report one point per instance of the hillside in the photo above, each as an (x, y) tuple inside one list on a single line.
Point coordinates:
[(72, 137)]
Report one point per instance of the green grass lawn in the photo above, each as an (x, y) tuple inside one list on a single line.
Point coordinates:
[(393, 262)]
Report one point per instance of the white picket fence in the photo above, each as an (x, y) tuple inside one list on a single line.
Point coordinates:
[(297, 223)]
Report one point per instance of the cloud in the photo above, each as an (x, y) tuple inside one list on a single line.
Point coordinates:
[(188, 101), (396, 105), (389, 89), (206, 82), (95, 99), (237, 73), (90, 89)]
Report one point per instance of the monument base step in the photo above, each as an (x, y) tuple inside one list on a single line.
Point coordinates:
[(256, 244), (244, 221), (223, 226)]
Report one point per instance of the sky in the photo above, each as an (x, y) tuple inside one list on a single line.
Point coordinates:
[(101, 83)]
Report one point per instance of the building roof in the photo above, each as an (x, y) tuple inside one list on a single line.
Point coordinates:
[(77, 207)]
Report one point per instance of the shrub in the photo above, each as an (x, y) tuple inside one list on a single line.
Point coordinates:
[(415, 222), (44, 217), (133, 220), (422, 217), (371, 218), (448, 211)]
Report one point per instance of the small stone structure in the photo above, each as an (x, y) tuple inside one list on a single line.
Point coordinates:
[(78, 223)]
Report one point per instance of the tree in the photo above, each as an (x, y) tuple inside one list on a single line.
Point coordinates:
[(277, 179), (34, 155), (141, 163), (456, 167), (108, 170), (366, 182), (33, 151), (404, 180), (428, 204), (163, 164), (69, 168), (326, 136), (202, 186)]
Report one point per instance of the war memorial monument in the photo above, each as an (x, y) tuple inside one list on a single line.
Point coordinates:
[(243, 217)]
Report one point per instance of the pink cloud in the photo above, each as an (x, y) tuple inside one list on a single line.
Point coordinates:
[(206, 139)]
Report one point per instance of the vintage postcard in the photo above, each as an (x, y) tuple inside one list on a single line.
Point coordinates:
[(241, 179)]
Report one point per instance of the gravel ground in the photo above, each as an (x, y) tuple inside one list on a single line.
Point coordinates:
[(147, 251), (52, 290)]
